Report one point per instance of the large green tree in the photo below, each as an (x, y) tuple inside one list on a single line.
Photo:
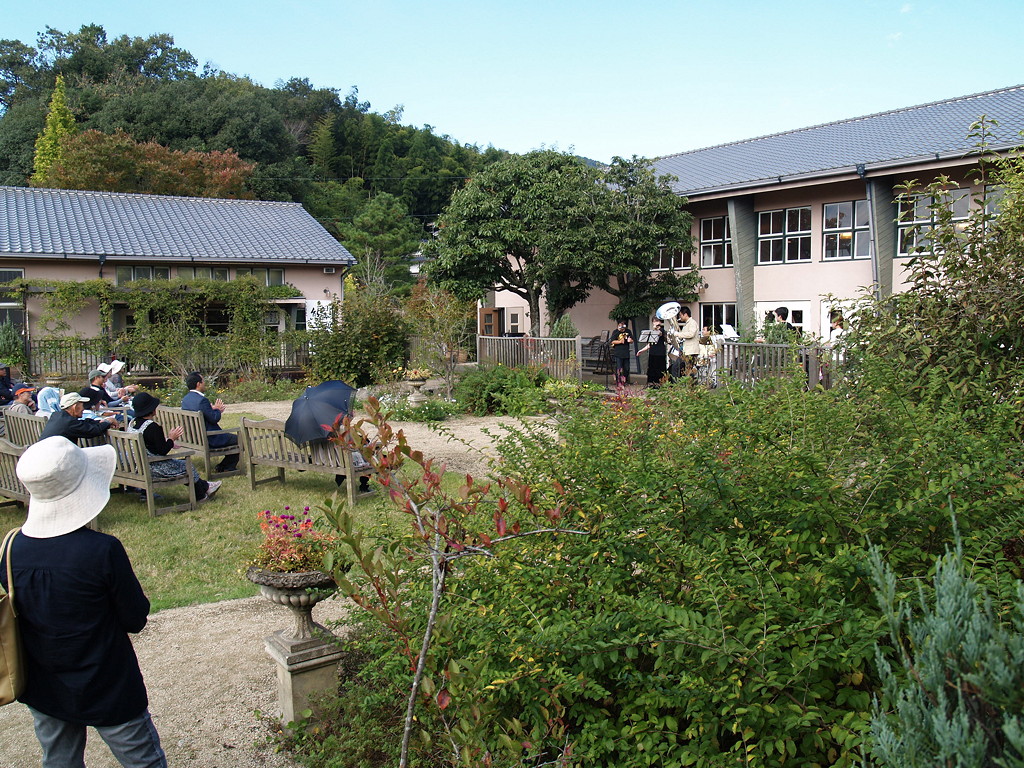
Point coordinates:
[(522, 224), (545, 223), (382, 237)]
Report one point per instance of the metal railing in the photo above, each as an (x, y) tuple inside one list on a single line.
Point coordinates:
[(749, 363), (560, 358)]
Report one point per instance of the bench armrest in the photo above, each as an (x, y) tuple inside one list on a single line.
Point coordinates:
[(177, 453), (229, 430)]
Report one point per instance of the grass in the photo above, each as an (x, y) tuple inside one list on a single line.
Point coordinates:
[(200, 556)]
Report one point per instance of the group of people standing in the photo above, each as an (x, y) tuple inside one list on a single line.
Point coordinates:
[(661, 365)]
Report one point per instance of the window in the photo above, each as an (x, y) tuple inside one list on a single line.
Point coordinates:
[(266, 276), (514, 321), (784, 236), (714, 316), (125, 274), (715, 242), (669, 258), (299, 318), (799, 312), (7, 274), (203, 273), (917, 217), (847, 231)]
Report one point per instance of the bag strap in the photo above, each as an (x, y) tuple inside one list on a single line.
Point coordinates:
[(5, 553)]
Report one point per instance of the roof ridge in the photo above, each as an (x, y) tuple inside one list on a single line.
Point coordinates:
[(843, 121), (103, 193)]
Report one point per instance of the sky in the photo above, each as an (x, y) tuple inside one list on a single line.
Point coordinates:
[(597, 78)]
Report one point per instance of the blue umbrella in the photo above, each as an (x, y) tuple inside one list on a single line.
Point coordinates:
[(318, 407)]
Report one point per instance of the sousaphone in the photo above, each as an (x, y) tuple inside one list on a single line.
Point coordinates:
[(668, 312)]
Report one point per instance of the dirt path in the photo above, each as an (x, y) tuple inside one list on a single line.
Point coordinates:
[(205, 667)]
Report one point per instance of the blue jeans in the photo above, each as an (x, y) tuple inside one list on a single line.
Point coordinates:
[(135, 744)]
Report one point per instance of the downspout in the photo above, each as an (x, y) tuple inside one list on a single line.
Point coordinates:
[(870, 191)]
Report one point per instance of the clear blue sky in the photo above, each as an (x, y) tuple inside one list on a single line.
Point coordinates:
[(599, 77)]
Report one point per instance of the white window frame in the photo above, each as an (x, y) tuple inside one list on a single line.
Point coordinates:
[(782, 237), (799, 312), (671, 260), (725, 310), (715, 251), (138, 273), (916, 219), (269, 274)]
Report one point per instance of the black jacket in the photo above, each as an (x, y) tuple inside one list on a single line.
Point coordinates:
[(77, 599), (64, 424)]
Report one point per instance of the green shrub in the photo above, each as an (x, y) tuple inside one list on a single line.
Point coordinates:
[(502, 390), (258, 391), (434, 409)]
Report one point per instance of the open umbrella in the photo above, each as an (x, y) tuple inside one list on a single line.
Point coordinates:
[(318, 407)]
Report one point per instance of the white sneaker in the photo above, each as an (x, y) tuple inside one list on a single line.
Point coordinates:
[(214, 487)]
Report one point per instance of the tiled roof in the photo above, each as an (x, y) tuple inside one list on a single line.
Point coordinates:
[(929, 131), (64, 222)]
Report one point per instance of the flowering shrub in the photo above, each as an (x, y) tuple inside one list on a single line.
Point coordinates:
[(290, 544), (418, 373)]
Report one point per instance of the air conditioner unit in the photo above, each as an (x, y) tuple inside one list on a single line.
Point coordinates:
[(328, 270)]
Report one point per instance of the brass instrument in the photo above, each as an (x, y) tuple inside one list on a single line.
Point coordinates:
[(673, 333)]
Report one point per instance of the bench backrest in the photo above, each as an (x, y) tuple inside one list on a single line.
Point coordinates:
[(10, 486), (24, 429), (192, 422), (266, 440), (131, 454)]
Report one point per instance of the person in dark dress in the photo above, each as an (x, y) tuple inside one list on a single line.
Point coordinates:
[(619, 342), (78, 599), (159, 444), (657, 362)]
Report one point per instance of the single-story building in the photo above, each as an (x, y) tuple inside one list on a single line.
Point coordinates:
[(62, 234), (790, 218)]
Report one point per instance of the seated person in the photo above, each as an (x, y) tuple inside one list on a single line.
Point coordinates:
[(6, 385), (68, 421), (48, 401), (94, 394), (115, 386), (195, 400), (23, 402), (159, 444)]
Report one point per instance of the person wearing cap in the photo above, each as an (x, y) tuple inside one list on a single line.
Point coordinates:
[(23, 401), (7, 387), (114, 384), (94, 392), (78, 600), (195, 400), (159, 444), (68, 421)]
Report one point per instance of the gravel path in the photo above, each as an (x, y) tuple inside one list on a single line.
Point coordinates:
[(205, 667)]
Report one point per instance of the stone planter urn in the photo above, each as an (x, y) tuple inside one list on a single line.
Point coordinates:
[(417, 398), (307, 658)]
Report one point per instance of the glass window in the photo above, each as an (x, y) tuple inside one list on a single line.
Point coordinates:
[(713, 316), (123, 275), (672, 259), (917, 218), (275, 277), (784, 236), (7, 274), (715, 242), (846, 231)]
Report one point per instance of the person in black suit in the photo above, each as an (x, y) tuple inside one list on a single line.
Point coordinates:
[(195, 400)]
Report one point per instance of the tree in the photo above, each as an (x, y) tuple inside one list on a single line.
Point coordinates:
[(50, 146), (382, 237), (444, 326), (520, 225), (643, 217), (116, 163)]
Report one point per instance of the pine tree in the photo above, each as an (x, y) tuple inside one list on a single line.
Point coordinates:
[(952, 674), (59, 123)]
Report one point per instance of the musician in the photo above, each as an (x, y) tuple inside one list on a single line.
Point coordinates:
[(689, 342), (657, 362), (619, 342)]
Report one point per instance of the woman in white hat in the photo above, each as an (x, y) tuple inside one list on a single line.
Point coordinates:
[(78, 599)]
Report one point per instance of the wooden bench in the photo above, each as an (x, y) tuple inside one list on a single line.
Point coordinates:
[(267, 445), (24, 429), (135, 469), (197, 438), (10, 486)]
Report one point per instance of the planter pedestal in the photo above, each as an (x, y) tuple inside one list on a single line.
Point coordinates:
[(417, 398), (307, 656)]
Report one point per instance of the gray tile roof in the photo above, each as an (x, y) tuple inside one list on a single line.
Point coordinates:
[(903, 136), (64, 222)]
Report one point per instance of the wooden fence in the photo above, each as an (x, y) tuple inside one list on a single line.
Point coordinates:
[(748, 363), (559, 357), (76, 357)]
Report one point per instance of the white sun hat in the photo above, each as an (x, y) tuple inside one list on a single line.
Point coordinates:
[(116, 366), (71, 398), (105, 367), (68, 486)]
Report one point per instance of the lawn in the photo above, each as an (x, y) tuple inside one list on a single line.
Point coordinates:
[(199, 557)]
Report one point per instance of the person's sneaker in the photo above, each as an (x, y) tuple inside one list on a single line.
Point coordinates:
[(212, 489)]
